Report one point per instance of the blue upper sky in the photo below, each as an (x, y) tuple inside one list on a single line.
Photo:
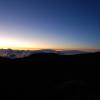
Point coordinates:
[(50, 23)]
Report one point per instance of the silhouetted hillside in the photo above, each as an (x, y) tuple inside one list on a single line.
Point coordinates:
[(61, 77)]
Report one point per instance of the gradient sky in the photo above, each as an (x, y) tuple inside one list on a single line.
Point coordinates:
[(50, 24)]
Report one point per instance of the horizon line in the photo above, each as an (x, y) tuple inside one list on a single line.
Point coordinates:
[(82, 49)]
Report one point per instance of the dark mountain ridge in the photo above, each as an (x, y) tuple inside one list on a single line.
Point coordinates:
[(63, 76)]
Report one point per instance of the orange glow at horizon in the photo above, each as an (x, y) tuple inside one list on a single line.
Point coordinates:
[(22, 45), (58, 49), (16, 44)]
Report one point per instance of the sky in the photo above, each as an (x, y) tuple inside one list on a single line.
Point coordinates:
[(54, 24)]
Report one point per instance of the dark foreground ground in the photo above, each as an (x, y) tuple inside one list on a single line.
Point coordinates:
[(51, 76)]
